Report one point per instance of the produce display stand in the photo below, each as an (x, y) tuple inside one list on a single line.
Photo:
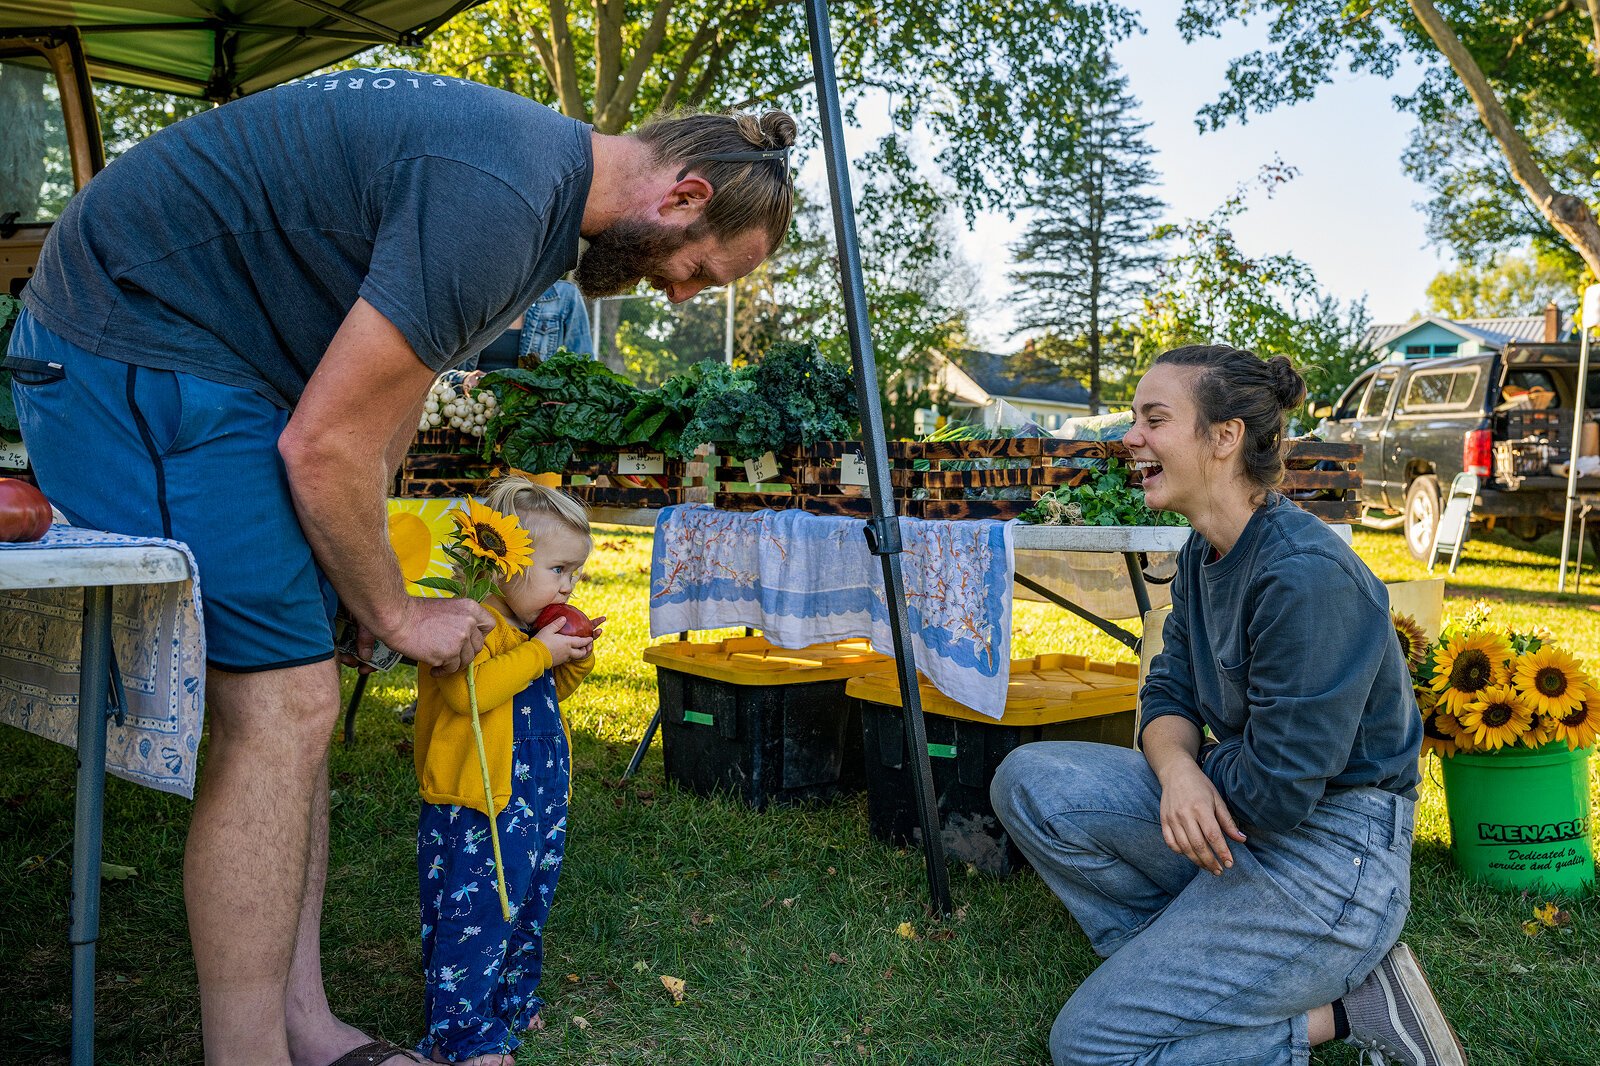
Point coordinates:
[(998, 478)]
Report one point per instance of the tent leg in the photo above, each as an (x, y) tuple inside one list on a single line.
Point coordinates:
[(883, 530)]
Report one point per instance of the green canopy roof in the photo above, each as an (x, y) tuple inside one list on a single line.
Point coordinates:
[(219, 49)]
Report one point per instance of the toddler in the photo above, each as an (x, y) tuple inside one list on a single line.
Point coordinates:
[(481, 971)]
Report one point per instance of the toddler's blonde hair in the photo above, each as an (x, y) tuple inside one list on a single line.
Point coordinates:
[(516, 495)]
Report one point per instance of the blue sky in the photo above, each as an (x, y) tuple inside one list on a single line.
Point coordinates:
[(1352, 214)]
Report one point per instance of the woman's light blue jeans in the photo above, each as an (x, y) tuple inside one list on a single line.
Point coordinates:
[(1202, 968)]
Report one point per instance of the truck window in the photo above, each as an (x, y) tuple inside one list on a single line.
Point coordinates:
[(1441, 390), (1377, 396), (35, 164), (1351, 401)]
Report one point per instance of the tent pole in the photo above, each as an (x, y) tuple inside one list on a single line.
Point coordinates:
[(1591, 303), (883, 529)]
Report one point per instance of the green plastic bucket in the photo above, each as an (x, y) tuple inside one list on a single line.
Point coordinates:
[(1520, 818)]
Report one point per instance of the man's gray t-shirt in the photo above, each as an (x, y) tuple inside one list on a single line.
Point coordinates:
[(232, 245)]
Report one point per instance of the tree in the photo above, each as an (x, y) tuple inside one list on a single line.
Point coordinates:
[(986, 84), (1513, 284), (1530, 72), (1209, 291), (1084, 257), (919, 292)]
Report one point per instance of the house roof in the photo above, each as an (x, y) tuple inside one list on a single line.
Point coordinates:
[(1021, 375), (1494, 332)]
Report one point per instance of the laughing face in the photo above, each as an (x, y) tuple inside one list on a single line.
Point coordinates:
[(1165, 442)]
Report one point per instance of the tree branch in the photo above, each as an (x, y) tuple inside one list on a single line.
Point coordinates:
[(607, 51), (568, 94), (680, 74), (1534, 23), (702, 85), (1567, 213), (619, 104), (1594, 20)]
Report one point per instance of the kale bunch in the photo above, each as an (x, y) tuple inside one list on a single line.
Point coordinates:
[(1108, 499), (543, 411), (792, 398)]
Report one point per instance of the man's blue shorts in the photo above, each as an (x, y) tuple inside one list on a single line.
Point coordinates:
[(149, 452)]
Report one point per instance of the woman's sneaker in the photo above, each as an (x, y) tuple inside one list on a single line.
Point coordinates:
[(1394, 1017)]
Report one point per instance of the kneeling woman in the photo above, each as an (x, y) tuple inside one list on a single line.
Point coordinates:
[(1247, 894)]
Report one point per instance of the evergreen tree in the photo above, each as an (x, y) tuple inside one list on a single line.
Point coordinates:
[(1088, 250)]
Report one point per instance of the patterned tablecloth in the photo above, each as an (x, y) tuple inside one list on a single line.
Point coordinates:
[(158, 639), (802, 579)]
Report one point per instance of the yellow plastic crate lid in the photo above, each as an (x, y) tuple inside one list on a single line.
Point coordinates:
[(753, 661), (1044, 690)]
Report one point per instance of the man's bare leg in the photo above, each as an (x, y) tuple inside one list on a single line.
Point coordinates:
[(245, 863), (316, 1037)]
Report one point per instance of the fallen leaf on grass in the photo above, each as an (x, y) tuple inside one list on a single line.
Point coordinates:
[(836, 959), (907, 930), (641, 967), (942, 934), (831, 871), (573, 978), (404, 748), (789, 902), (697, 919), (888, 974), (580, 1022), (110, 871), (674, 986)]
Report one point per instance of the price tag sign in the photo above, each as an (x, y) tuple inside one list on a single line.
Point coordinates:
[(641, 463), (852, 469), (13, 455), (762, 469)]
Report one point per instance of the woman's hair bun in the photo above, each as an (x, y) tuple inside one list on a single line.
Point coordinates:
[(1287, 384), (778, 130)]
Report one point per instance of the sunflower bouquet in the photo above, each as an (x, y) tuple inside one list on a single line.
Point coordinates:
[(485, 546), (1482, 689)]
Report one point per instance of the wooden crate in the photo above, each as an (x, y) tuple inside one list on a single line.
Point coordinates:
[(597, 478), (439, 465), (996, 478), (1325, 479)]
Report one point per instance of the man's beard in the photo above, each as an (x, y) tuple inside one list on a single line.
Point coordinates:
[(618, 257)]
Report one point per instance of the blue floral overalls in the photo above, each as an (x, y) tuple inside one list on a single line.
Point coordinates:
[(480, 971)]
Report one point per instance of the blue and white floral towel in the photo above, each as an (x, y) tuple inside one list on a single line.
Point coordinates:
[(159, 641), (802, 579)]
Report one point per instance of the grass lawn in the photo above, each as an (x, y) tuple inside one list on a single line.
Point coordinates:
[(783, 925)]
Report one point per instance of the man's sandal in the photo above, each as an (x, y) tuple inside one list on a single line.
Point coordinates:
[(375, 1053)]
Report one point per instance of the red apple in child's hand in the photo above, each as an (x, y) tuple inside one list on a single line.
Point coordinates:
[(574, 623)]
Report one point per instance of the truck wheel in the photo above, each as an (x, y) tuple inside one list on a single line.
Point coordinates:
[(1422, 516)]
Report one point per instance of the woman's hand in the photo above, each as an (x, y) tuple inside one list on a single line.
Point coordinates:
[(1195, 821)]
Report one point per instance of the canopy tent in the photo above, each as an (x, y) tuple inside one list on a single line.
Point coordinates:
[(222, 49)]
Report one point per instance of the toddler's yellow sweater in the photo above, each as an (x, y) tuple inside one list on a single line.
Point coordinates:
[(445, 755)]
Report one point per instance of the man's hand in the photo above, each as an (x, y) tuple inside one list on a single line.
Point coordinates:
[(443, 633), (1195, 820)]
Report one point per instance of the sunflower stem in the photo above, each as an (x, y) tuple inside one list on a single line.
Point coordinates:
[(488, 793)]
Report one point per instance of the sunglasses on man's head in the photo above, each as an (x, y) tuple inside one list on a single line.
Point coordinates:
[(752, 156)]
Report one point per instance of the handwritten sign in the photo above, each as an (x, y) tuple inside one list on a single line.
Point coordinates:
[(762, 469), (641, 463), (853, 469), (13, 455)]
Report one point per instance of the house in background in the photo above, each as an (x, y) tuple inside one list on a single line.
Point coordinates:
[(971, 386), (1433, 336)]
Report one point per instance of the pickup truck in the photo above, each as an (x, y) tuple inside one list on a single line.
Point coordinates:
[(1505, 416)]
